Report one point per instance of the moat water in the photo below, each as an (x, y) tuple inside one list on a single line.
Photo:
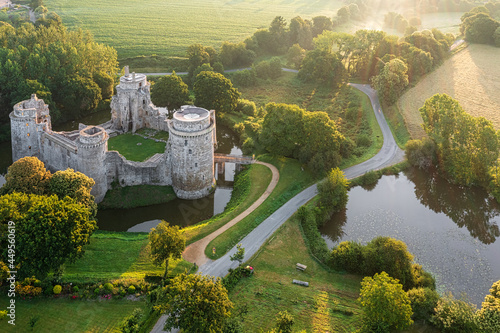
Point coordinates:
[(179, 212), (452, 231)]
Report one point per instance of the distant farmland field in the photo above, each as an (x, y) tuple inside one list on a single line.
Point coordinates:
[(168, 27), (470, 76)]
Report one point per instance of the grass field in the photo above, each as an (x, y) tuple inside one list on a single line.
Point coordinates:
[(135, 147), (270, 289), (66, 315), (168, 27), (470, 76)]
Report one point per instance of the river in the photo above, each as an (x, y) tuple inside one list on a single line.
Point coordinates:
[(452, 231)]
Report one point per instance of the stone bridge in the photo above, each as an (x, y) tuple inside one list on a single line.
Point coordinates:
[(221, 159)]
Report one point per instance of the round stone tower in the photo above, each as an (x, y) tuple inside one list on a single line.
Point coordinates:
[(92, 146), (191, 143), (129, 105), (27, 122)]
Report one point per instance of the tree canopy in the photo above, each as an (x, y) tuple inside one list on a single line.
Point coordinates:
[(391, 81), (170, 91), (166, 242), (386, 305), (27, 175), (49, 231), (332, 190), (196, 303), (213, 91)]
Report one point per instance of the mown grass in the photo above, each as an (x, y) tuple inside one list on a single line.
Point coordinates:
[(135, 147), (66, 315), (137, 196), (293, 179), (115, 255), (243, 196), (322, 307), (168, 27)]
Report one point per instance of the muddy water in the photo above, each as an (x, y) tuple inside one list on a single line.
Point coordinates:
[(178, 212), (452, 231)]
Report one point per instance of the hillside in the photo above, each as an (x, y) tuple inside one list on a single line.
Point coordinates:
[(470, 76)]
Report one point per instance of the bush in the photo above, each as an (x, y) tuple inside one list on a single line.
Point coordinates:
[(454, 315), (246, 107), (421, 278), (108, 287), (57, 289), (347, 256), (131, 289), (488, 320), (423, 301), (421, 153), (245, 78), (132, 323), (315, 242), (76, 289)]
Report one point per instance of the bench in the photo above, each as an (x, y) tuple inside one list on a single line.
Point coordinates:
[(300, 267), (302, 283)]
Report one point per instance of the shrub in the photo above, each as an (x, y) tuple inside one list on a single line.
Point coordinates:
[(132, 323), (421, 278), (97, 291), (57, 289), (284, 322), (131, 289), (28, 291), (347, 256), (3, 314), (108, 287), (454, 315), (423, 301), (76, 289), (315, 242), (246, 107), (488, 320), (421, 153), (244, 78)]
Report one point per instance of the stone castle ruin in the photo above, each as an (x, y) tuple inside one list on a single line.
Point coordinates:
[(187, 163)]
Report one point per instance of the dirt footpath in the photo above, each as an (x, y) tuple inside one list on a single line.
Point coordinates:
[(195, 252)]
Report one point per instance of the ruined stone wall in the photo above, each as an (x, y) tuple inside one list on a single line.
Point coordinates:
[(58, 152), (154, 171)]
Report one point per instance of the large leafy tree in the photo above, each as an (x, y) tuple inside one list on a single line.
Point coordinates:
[(166, 242), (49, 231), (467, 146), (170, 91), (323, 66), (195, 303), (386, 305), (391, 81), (332, 190), (214, 91), (26, 175)]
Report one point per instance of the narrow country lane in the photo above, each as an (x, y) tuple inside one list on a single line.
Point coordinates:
[(388, 155)]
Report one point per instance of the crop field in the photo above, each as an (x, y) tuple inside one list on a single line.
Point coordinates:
[(168, 27), (470, 76)]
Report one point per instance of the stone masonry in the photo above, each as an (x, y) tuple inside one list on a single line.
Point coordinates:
[(187, 163)]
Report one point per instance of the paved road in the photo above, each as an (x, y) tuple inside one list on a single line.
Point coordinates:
[(388, 155), (226, 71)]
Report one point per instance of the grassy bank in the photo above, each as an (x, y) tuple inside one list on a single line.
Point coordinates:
[(66, 315), (293, 179), (137, 196), (325, 306), (249, 186), (135, 147), (397, 124), (115, 255)]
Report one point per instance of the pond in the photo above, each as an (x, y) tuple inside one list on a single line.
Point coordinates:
[(179, 212), (452, 231)]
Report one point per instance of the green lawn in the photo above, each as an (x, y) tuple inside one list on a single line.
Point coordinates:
[(293, 179), (115, 255), (270, 289), (135, 147), (168, 27), (66, 315)]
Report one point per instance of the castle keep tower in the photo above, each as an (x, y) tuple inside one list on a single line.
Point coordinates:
[(27, 122), (92, 146), (130, 104), (191, 143)]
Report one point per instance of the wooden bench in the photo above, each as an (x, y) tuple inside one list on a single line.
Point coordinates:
[(300, 267)]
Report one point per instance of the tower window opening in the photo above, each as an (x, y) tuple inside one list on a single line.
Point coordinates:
[(190, 151), (185, 142), (196, 165), (29, 147)]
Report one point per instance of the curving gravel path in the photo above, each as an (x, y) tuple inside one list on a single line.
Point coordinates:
[(388, 155)]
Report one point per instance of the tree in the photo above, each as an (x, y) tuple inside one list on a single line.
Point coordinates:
[(332, 191), (239, 255), (479, 28), (295, 55), (49, 231), (392, 81), (454, 315), (385, 305), (27, 175), (196, 303), (214, 91), (166, 242), (489, 315), (323, 66), (170, 91), (75, 185), (300, 33), (320, 24)]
